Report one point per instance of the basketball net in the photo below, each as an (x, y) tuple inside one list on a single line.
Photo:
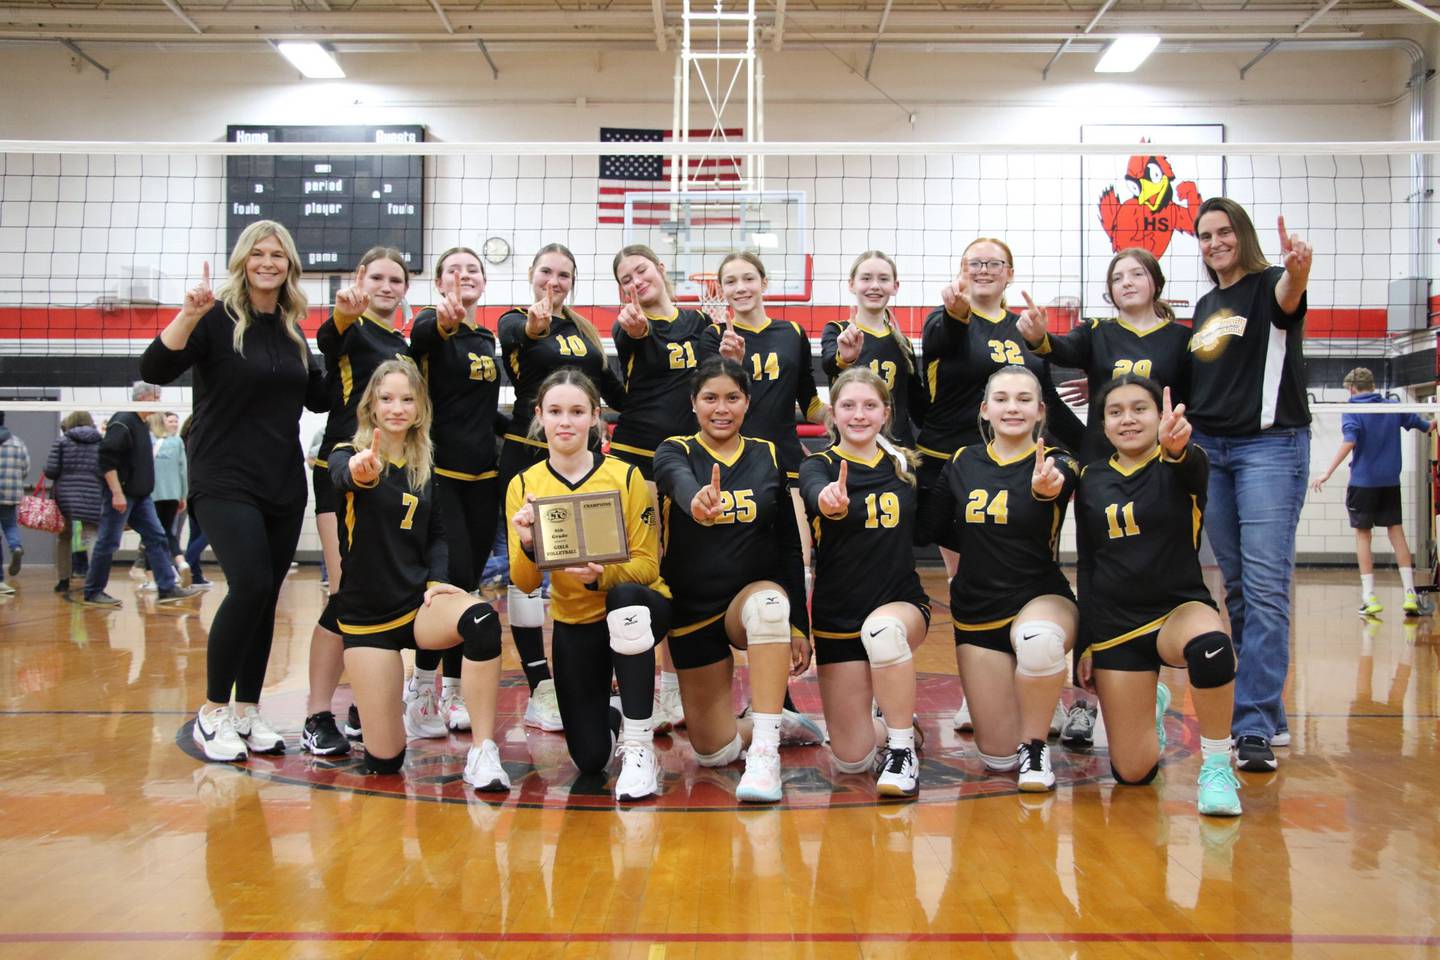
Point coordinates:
[(712, 302)]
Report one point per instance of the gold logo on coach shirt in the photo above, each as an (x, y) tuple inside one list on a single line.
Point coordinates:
[(1208, 342)]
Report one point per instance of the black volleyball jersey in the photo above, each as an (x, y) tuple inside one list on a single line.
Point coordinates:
[(900, 370), (1249, 363), (866, 558), (1008, 540), (528, 361), (656, 371), (756, 537), (570, 600), (462, 370), (392, 545), (1105, 349), (778, 359), (351, 356), (959, 357), (1139, 537)]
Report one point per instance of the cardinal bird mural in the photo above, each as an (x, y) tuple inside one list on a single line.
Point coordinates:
[(1160, 207)]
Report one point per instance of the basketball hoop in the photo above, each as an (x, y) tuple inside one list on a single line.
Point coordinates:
[(712, 301)]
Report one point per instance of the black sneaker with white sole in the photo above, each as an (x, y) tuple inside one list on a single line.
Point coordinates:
[(1253, 754), (352, 723), (322, 737)]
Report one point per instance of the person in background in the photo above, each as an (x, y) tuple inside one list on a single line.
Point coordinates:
[(73, 467), (1372, 497), (171, 483), (195, 547), (14, 473), (127, 464)]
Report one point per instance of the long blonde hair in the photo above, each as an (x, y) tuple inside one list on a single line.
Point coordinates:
[(235, 291), (641, 250), (587, 329), (905, 459), (906, 347), (418, 452), (567, 376)]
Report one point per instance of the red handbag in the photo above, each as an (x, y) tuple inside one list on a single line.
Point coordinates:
[(38, 512)]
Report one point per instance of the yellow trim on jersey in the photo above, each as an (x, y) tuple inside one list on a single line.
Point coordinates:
[(730, 461), (1042, 349), (686, 631), (540, 444), (322, 464), (935, 454), (815, 409), (457, 475), (989, 625), (349, 518), (674, 315), (827, 635), (879, 457), (977, 313), (990, 449), (629, 449), (1140, 631), (1141, 333), (347, 379), (1131, 471), (356, 630), (1197, 520), (932, 369), (764, 326)]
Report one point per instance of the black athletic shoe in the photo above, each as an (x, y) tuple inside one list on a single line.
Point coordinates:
[(352, 723), (62, 586), (176, 594), (1253, 753), (16, 556), (321, 737)]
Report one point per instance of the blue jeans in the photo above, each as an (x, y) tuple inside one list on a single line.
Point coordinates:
[(140, 514), (196, 548), (1257, 486), (11, 528)]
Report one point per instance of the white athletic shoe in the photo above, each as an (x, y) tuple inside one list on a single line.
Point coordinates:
[(899, 774), (182, 572), (214, 733), (1035, 773), (668, 712), (639, 771), (454, 711), (962, 721), (798, 730), (543, 712), (483, 771), (258, 735), (761, 781), (1057, 719), (422, 716)]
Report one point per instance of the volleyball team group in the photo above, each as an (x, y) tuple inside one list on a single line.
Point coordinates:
[(736, 539)]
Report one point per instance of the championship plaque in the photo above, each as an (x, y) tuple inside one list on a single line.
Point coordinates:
[(571, 531)]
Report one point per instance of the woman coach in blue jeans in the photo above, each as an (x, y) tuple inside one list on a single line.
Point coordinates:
[(1250, 413)]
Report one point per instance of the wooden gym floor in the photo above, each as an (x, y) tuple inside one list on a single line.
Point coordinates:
[(117, 842)]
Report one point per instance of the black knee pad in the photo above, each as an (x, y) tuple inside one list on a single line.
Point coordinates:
[(1211, 658), (1143, 781), (634, 595), (479, 629), (384, 765)]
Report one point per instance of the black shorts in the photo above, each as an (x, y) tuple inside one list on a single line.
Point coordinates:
[(327, 498), (834, 644), (395, 632), (645, 464), (990, 638), (1136, 655), (1373, 507), (699, 646)]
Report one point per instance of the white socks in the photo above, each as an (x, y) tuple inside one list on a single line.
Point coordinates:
[(1211, 748)]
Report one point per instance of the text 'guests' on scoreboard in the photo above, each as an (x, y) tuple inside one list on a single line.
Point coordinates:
[(335, 207)]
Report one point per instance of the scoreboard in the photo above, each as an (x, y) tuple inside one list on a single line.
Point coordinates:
[(336, 208)]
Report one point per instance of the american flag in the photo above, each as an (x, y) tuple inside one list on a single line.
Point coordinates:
[(647, 174)]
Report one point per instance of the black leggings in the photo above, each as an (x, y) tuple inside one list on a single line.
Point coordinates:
[(469, 509), (165, 511), (254, 549), (583, 665)]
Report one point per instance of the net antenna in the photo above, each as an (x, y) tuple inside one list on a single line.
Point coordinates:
[(712, 301)]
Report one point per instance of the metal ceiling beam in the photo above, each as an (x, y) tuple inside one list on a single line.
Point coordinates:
[(777, 40), (1104, 9), (1419, 8), (884, 16), (440, 12), (75, 49), (488, 59), (179, 11), (657, 13), (1310, 20), (1269, 49)]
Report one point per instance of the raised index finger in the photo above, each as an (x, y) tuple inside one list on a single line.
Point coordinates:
[(1028, 302), (715, 476), (1039, 456), (1284, 237), (843, 474), (205, 272), (375, 441), (1165, 408)]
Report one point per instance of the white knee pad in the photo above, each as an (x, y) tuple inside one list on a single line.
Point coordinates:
[(630, 630), (1039, 648), (766, 617), (864, 765), (725, 756), (884, 641), (525, 609)]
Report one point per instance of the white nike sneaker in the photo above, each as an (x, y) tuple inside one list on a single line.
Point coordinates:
[(962, 721), (761, 781), (214, 733), (453, 710), (543, 712), (422, 716), (258, 735), (639, 771), (483, 770)]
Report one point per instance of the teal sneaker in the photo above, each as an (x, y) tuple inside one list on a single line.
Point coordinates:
[(1162, 703), (1216, 795)]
